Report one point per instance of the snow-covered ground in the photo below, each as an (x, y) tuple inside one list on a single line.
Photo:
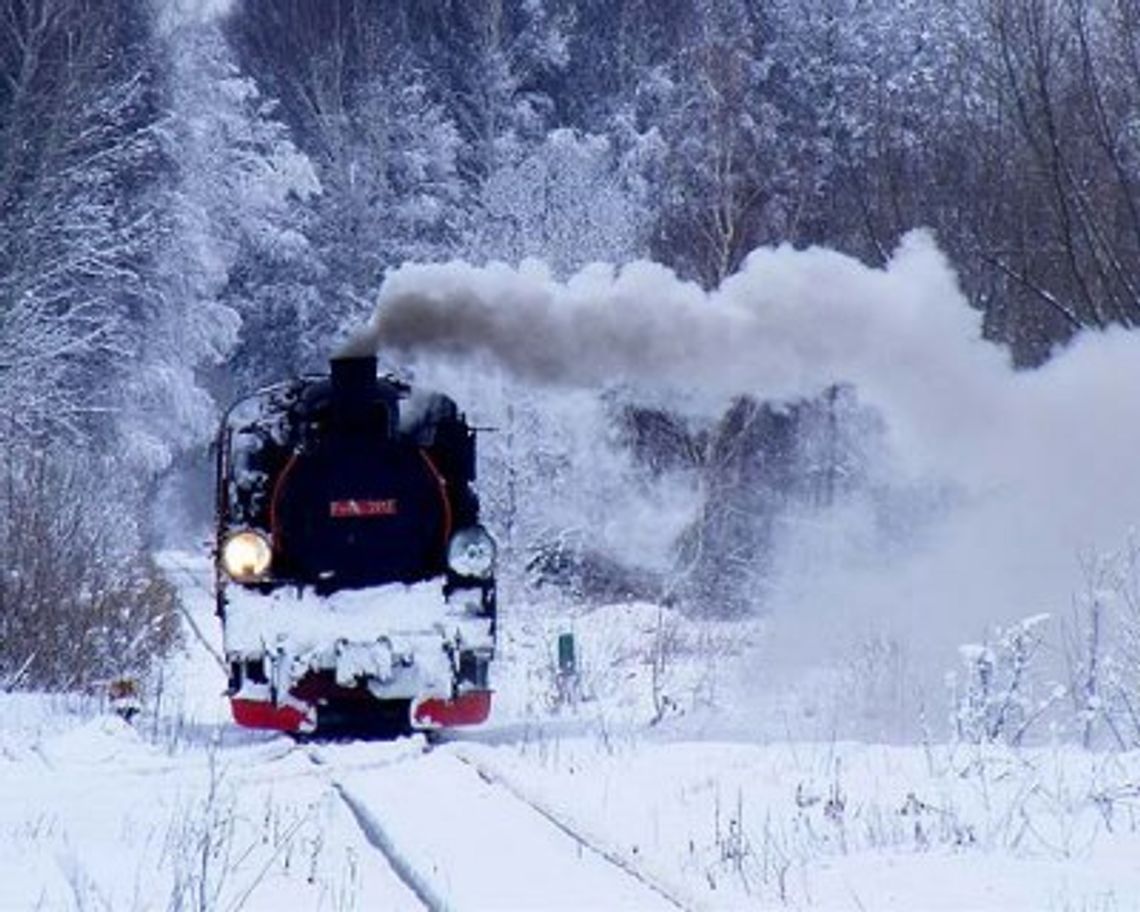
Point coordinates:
[(584, 794)]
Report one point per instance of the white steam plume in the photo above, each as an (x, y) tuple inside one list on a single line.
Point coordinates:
[(1046, 458)]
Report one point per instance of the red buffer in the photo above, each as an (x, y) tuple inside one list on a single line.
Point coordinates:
[(470, 708)]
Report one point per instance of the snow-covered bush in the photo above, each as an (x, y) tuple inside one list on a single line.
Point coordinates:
[(1101, 647), (995, 698), (1086, 683), (80, 601)]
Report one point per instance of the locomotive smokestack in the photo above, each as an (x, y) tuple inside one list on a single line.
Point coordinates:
[(360, 402), (353, 378)]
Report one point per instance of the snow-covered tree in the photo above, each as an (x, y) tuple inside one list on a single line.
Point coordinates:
[(77, 154), (80, 163), (383, 143), (565, 201), (721, 130), (236, 265), (391, 191)]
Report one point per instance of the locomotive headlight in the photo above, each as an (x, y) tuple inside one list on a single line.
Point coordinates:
[(246, 556), (471, 552)]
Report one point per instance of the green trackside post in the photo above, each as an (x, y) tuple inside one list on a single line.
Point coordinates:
[(567, 660)]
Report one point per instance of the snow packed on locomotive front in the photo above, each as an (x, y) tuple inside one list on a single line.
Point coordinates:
[(354, 579)]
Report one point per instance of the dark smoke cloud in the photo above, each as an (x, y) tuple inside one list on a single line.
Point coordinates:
[(639, 323), (790, 323)]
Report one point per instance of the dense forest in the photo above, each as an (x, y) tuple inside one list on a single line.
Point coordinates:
[(195, 200)]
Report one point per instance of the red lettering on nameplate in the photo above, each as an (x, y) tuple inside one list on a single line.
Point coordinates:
[(349, 509)]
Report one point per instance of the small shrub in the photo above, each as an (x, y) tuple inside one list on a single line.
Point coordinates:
[(994, 699), (1101, 646), (81, 603)]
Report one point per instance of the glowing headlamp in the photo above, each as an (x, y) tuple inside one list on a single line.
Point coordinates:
[(246, 555)]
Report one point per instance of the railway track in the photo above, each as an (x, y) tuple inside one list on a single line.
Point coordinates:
[(462, 838)]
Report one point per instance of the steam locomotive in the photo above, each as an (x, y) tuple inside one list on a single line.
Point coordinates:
[(355, 584)]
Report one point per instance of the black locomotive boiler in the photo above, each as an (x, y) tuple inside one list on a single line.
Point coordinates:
[(355, 584)]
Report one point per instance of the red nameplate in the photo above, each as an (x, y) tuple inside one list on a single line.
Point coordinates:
[(348, 509)]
